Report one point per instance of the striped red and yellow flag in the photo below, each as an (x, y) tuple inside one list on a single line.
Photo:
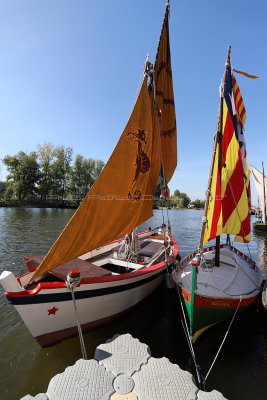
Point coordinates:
[(229, 204), (239, 104)]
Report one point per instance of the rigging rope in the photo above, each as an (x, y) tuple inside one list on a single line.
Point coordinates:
[(158, 223), (137, 91), (201, 379), (225, 336)]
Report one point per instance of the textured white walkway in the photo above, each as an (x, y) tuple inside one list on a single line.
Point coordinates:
[(123, 369)]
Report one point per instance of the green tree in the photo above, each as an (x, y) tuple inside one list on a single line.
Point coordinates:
[(23, 174), (99, 165), (198, 203), (176, 193), (3, 187), (184, 200), (83, 176), (46, 155), (175, 198), (61, 170)]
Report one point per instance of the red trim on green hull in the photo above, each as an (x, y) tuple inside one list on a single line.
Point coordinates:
[(209, 311)]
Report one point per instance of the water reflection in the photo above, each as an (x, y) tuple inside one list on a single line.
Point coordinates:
[(261, 238)]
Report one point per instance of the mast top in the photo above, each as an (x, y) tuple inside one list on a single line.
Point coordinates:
[(165, 18), (228, 59)]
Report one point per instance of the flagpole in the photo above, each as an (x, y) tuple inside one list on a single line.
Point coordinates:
[(217, 140)]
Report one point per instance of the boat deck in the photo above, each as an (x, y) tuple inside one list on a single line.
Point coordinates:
[(105, 263), (62, 271), (147, 247), (234, 277)]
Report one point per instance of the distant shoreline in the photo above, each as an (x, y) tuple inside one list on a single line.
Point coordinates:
[(47, 204), (43, 204)]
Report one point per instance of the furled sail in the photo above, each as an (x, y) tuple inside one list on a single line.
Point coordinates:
[(123, 195), (165, 101), (258, 181), (229, 202)]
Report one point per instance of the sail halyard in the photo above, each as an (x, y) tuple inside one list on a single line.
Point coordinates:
[(227, 207)]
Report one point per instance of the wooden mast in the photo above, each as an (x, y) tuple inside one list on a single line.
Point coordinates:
[(217, 140)]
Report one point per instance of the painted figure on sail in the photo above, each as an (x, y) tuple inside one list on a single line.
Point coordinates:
[(142, 160)]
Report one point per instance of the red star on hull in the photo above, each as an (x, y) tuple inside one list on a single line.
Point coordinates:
[(52, 310)]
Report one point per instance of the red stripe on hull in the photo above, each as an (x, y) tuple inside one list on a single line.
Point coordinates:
[(212, 302)]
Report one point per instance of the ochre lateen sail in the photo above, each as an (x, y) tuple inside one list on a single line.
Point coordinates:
[(229, 203), (165, 101), (123, 195)]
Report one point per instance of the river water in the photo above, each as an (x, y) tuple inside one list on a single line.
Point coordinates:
[(240, 371)]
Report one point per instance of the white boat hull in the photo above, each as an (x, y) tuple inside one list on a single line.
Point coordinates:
[(219, 291), (96, 308), (48, 310)]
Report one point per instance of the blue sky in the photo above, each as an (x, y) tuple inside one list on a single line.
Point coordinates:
[(69, 72)]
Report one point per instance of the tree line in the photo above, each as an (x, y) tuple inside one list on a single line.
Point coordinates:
[(180, 200), (48, 173)]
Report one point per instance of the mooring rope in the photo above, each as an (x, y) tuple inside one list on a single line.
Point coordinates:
[(201, 379), (71, 283), (225, 336)]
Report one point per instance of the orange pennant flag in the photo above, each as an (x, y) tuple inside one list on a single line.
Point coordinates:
[(244, 73)]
